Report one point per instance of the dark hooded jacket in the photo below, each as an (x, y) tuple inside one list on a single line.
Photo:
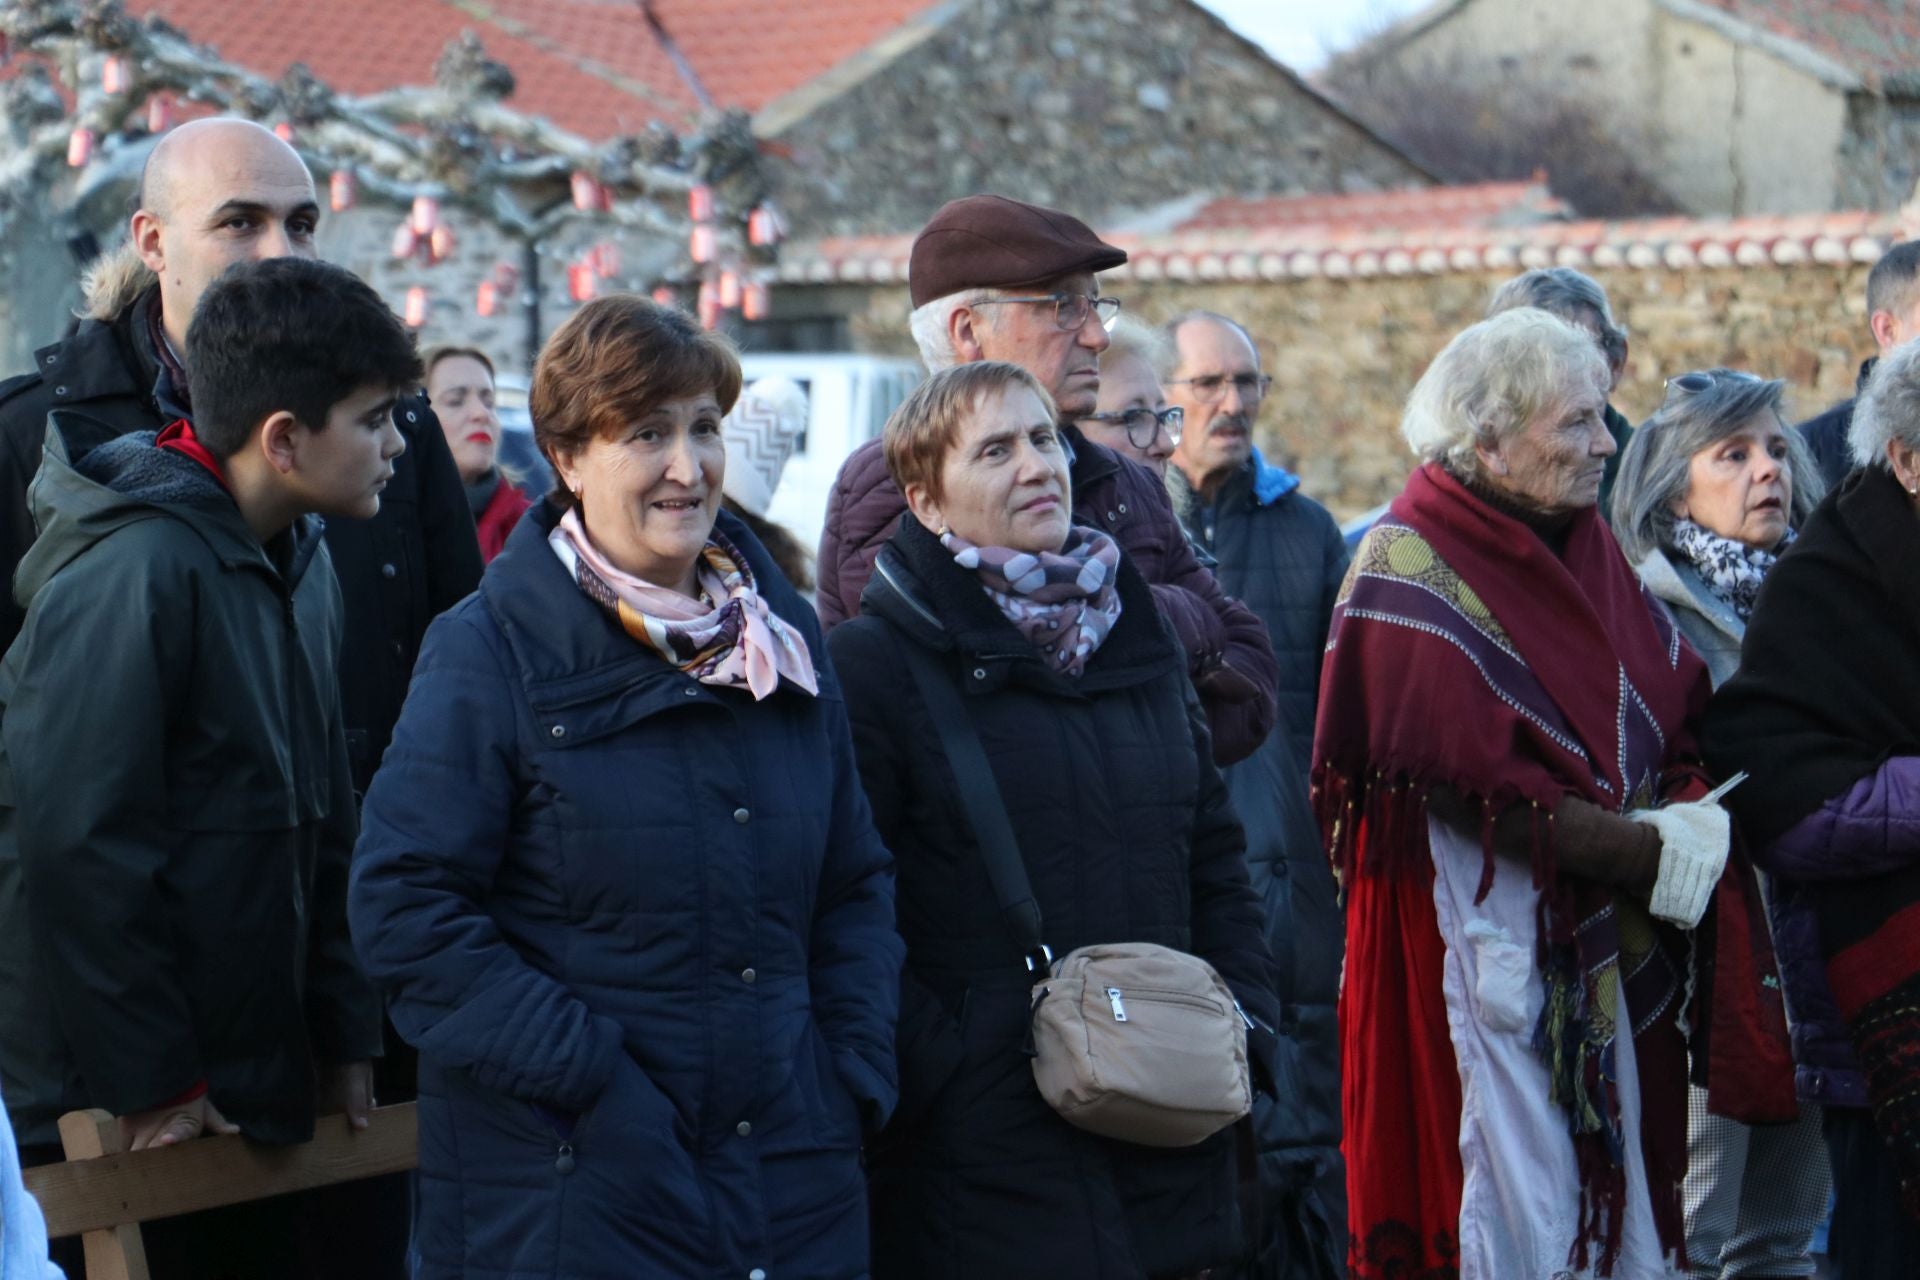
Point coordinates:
[(1282, 553), (176, 814), (641, 930), (1226, 645), (1128, 837), (397, 571)]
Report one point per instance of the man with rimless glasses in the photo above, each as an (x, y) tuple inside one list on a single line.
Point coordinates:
[(998, 279), (1280, 552)]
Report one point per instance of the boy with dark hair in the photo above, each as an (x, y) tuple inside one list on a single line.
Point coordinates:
[(176, 809)]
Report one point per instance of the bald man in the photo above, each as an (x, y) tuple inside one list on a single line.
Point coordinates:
[(216, 192)]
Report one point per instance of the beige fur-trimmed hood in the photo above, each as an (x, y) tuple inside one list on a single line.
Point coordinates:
[(112, 282)]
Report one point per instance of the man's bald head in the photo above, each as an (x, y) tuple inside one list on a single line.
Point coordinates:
[(215, 192)]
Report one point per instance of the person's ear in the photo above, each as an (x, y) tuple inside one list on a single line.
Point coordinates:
[(280, 441), (964, 331), (565, 465), (1884, 330), (1493, 458), (1905, 460), (143, 232), (925, 508)]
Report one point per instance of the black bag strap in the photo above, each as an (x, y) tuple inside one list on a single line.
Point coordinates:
[(980, 798)]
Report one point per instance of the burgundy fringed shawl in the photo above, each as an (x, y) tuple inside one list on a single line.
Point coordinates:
[(1463, 652)]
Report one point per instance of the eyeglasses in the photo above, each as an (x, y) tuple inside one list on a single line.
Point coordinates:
[(1211, 388), (1144, 425), (1692, 384), (1069, 309)]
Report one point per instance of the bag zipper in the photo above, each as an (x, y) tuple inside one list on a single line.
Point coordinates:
[(1119, 1006)]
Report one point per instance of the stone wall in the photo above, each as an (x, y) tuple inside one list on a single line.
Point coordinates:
[(1092, 105), (1344, 353)]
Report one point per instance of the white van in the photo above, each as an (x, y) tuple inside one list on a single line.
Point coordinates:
[(848, 400)]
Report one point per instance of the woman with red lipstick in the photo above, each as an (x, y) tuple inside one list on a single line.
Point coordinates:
[(460, 387), (1096, 743), (1710, 492)]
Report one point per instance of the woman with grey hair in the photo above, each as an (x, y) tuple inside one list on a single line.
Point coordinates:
[(1505, 776), (1825, 714), (1709, 494)]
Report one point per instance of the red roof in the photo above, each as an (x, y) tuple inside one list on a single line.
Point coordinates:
[(1486, 204), (595, 67)]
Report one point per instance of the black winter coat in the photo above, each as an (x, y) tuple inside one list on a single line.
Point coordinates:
[(1282, 553), (397, 571), (175, 812), (1128, 836), (1826, 434), (641, 930)]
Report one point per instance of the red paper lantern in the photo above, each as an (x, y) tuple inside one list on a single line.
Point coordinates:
[(404, 240), (700, 202), (729, 290), (605, 257), (159, 113), (416, 312), (763, 226), (755, 301), (505, 276), (343, 190), (79, 147), (440, 244), (586, 191), (581, 285), (703, 244), (709, 306), (425, 216), (665, 296), (284, 132), (485, 298), (115, 74)]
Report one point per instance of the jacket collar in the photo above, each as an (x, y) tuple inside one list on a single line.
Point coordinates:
[(1679, 585), (918, 588), (1092, 462), (1270, 483), (1866, 372), (103, 359), (582, 673)]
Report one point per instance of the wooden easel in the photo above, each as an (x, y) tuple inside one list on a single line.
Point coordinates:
[(102, 1193)]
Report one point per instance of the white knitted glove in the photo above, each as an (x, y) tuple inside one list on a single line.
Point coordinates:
[(1694, 839)]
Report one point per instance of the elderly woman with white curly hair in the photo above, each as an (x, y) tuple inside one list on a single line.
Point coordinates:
[(1505, 775), (1710, 493), (1825, 714)]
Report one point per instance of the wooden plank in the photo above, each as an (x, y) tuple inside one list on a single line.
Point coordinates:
[(206, 1173), (116, 1252)]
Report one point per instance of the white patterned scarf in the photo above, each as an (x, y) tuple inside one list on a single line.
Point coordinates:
[(1732, 570), (1065, 602)]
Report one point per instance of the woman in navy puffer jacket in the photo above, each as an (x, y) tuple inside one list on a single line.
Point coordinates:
[(617, 875)]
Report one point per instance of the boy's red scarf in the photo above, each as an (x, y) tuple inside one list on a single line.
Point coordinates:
[(1463, 652)]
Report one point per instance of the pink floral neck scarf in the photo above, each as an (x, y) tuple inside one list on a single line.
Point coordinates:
[(727, 637), (1065, 603)]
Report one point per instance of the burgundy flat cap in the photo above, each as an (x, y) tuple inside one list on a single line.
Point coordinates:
[(991, 242)]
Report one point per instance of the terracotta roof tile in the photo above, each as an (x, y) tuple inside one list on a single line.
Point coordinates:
[(1480, 204), (749, 52)]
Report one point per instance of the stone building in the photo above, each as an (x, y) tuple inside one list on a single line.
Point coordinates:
[(1349, 298), (1734, 106), (871, 113)]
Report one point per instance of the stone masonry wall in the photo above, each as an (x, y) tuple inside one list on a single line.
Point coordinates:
[(1345, 353), (1093, 105)]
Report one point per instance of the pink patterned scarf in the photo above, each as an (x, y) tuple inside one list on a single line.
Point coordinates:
[(727, 637), (1064, 602)]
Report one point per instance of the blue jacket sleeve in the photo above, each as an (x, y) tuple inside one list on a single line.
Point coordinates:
[(434, 833)]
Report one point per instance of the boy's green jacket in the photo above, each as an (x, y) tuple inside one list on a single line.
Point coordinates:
[(176, 813)]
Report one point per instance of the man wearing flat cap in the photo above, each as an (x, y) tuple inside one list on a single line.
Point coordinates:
[(999, 279)]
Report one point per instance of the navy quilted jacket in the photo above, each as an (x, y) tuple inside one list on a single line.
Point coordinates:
[(641, 931)]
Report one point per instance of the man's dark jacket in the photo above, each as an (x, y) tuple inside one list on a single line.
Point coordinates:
[(1282, 553), (1826, 434), (1127, 836), (1226, 645), (397, 571), (176, 815)]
